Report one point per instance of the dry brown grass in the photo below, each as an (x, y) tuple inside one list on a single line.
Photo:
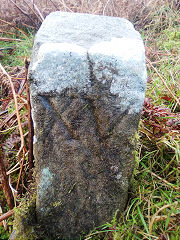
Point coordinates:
[(137, 11)]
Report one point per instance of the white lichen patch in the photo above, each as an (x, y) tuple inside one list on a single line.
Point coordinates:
[(54, 49), (121, 62), (119, 176), (114, 168), (58, 66), (126, 48), (45, 182)]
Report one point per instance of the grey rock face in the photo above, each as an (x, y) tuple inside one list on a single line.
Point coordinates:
[(87, 81)]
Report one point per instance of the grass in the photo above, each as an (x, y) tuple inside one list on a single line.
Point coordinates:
[(166, 60), (153, 210), (21, 50)]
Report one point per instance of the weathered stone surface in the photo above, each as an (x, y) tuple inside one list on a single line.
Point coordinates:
[(87, 78)]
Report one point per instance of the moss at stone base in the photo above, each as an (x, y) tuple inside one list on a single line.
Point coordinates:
[(25, 222), (25, 225), (25, 219)]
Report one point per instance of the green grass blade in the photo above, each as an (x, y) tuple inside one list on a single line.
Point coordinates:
[(143, 221), (168, 218)]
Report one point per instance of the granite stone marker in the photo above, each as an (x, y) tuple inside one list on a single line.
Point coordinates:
[(87, 81)]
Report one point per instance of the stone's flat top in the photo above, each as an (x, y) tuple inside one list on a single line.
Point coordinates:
[(124, 48), (83, 29)]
